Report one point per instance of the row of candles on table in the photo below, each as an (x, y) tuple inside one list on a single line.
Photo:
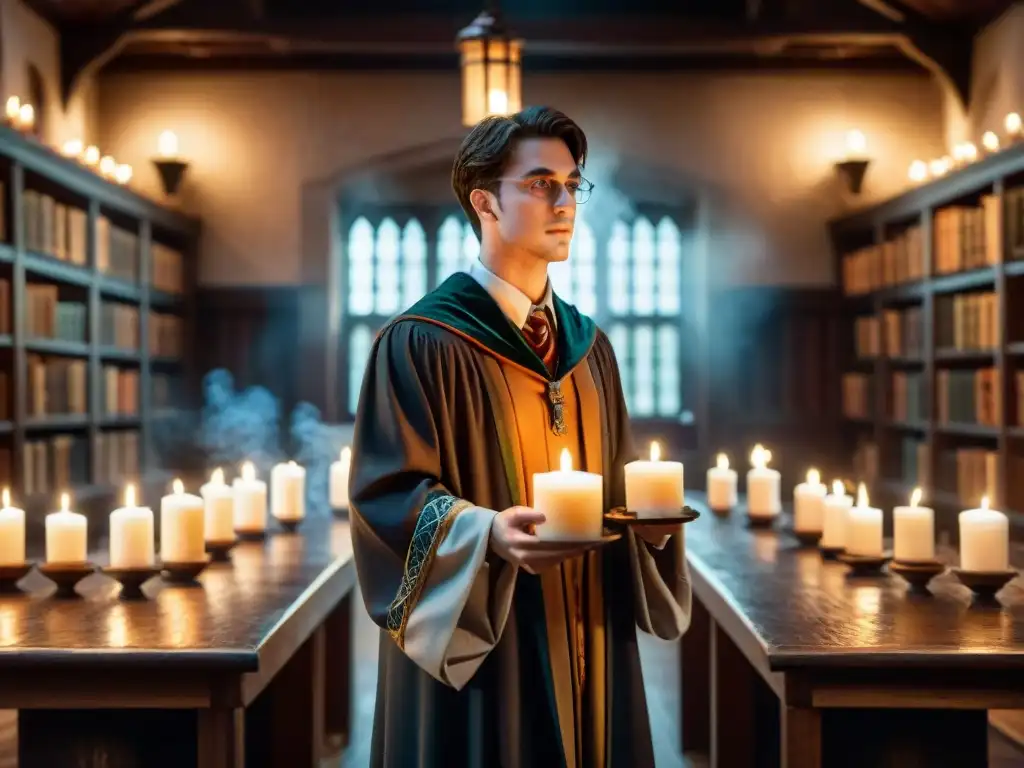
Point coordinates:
[(855, 527), (189, 524)]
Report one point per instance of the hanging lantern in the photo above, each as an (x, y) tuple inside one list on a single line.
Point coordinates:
[(490, 68)]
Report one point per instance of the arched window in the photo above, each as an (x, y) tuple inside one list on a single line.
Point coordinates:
[(629, 275)]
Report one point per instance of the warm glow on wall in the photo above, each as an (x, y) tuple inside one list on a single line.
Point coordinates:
[(490, 69)]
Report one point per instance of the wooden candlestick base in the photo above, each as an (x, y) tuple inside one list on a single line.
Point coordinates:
[(131, 580), (865, 565), (251, 535), (220, 551), (66, 576), (622, 516), (11, 574), (291, 526), (831, 553), (984, 584), (760, 521), (917, 573), (808, 538), (183, 573)]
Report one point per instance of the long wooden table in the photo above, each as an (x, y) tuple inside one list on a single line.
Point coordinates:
[(249, 668), (791, 661)]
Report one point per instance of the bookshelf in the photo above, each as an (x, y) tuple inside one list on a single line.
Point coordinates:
[(96, 304), (932, 339)]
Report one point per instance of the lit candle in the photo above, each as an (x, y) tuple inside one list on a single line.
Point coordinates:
[(91, 156), (836, 506), (250, 501), (864, 527), (108, 166), (721, 485), (654, 488), (990, 141), (940, 167), (66, 535), (856, 145), (219, 502), (809, 504), (26, 117), (182, 527), (913, 531), (12, 109), (918, 171), (72, 148), (123, 173), (12, 532), (1013, 125), (572, 502), (288, 491), (763, 485), (984, 540), (167, 145), (131, 534), (339, 479)]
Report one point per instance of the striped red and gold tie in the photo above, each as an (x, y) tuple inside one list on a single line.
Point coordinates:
[(539, 332)]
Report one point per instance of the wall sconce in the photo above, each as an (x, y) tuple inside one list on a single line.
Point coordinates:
[(170, 166), (853, 168)]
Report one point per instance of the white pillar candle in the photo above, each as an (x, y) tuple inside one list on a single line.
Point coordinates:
[(654, 488), (250, 501), (288, 491), (572, 503), (763, 485), (984, 540), (913, 530), (836, 506), (182, 527), (12, 532), (339, 479), (66, 535), (219, 504), (809, 504), (721, 485), (864, 527), (131, 534)]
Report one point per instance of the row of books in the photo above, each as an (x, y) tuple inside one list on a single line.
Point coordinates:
[(909, 397), (168, 267), (47, 317), (59, 463), (969, 397), (121, 391), (1013, 200), (900, 259), (117, 251), (57, 386), (857, 396), (117, 456), (897, 333), (865, 461), (915, 463), (1019, 381), (967, 321), (165, 390), (5, 306), (166, 335), (970, 473), (54, 228), (119, 325), (967, 237)]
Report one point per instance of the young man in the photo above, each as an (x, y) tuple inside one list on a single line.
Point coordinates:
[(498, 652)]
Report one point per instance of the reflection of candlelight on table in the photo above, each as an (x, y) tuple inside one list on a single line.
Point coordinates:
[(8, 625), (866, 602), (766, 547), (117, 626), (177, 621), (808, 566)]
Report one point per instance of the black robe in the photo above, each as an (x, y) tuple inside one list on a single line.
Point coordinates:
[(482, 664)]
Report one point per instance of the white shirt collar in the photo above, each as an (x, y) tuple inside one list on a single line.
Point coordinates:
[(516, 305)]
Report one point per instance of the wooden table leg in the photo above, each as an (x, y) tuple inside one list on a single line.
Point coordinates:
[(338, 676), (221, 738), (801, 737), (695, 680)]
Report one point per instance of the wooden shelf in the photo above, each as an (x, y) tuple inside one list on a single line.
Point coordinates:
[(116, 233), (915, 234)]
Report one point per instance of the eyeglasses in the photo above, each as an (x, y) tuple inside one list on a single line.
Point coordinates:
[(550, 190)]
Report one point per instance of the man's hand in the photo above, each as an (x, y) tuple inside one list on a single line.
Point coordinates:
[(513, 540), (657, 534)]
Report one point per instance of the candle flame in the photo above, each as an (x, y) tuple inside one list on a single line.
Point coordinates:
[(722, 462), (217, 478), (862, 496), (65, 502), (129, 495), (984, 502), (655, 451), (167, 144), (13, 107), (990, 141), (1013, 123), (566, 461), (7, 497), (838, 488), (915, 497), (291, 464), (760, 456), (346, 454), (178, 486), (248, 471), (813, 476)]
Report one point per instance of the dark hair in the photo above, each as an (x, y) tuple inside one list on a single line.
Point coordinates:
[(485, 152)]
